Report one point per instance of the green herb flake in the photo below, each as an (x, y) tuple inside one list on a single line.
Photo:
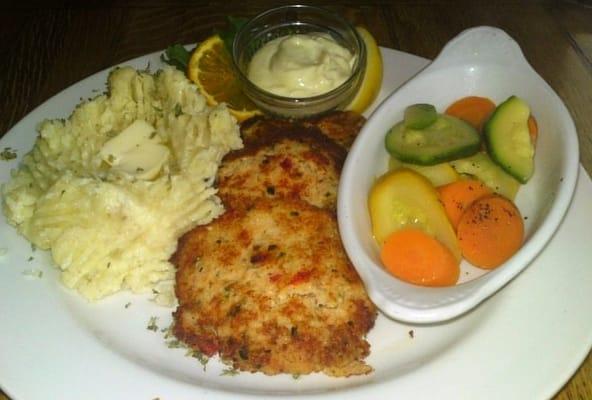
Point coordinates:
[(178, 110), (7, 154), (229, 372), (177, 56), (174, 344), (169, 332), (30, 259), (152, 324), (227, 36), (128, 304), (33, 273), (203, 360), (296, 376)]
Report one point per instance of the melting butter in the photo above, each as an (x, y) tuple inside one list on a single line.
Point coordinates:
[(136, 151)]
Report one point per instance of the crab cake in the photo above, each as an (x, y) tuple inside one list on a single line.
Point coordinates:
[(258, 127), (300, 163), (270, 289), (341, 127)]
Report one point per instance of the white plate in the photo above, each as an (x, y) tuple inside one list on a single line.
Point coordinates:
[(524, 343)]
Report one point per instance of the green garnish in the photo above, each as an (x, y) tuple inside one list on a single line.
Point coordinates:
[(177, 56), (178, 110), (7, 154), (174, 344), (227, 36), (152, 324), (229, 372), (203, 360), (33, 273)]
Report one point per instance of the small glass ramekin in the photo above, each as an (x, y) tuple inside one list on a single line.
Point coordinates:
[(289, 20)]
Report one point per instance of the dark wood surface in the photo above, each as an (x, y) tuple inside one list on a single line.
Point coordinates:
[(46, 49)]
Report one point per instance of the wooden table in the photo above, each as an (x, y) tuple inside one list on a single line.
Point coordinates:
[(45, 50)]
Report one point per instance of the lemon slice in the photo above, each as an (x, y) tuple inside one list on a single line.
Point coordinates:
[(210, 68), (372, 80)]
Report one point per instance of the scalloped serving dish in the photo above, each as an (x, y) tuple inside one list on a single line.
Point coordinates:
[(482, 61)]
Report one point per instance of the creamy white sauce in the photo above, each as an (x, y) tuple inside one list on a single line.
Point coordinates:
[(301, 65)]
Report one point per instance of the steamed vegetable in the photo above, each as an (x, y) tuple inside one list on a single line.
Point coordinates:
[(474, 110), (403, 199), (414, 256), (492, 175), (439, 174), (445, 139), (508, 138), (456, 197), (490, 231), (420, 116), (446, 196)]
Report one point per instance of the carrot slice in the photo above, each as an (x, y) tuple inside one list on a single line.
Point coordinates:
[(413, 256), (472, 109), (490, 231), (533, 129), (457, 196)]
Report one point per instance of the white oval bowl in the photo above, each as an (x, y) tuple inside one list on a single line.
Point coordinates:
[(482, 61)]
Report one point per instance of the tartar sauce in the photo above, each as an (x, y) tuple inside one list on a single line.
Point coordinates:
[(301, 65)]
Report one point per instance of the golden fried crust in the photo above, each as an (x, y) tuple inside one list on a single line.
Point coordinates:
[(298, 163), (259, 126), (270, 289), (341, 127)]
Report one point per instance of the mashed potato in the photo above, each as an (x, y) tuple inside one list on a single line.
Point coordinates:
[(108, 230)]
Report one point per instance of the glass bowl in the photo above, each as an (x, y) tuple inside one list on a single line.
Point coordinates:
[(289, 20)]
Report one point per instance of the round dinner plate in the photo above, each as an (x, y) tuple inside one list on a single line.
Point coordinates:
[(524, 342)]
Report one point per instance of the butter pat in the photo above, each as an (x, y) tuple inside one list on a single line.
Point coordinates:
[(136, 151)]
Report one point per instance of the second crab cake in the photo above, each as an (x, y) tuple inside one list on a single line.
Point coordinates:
[(342, 127), (269, 288), (299, 163)]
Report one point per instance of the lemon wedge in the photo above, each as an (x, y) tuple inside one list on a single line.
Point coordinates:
[(372, 80)]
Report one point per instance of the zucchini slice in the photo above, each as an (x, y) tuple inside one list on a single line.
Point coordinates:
[(403, 199), (482, 167), (508, 141), (419, 116), (446, 139)]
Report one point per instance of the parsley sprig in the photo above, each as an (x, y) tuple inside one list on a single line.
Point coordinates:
[(178, 56)]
